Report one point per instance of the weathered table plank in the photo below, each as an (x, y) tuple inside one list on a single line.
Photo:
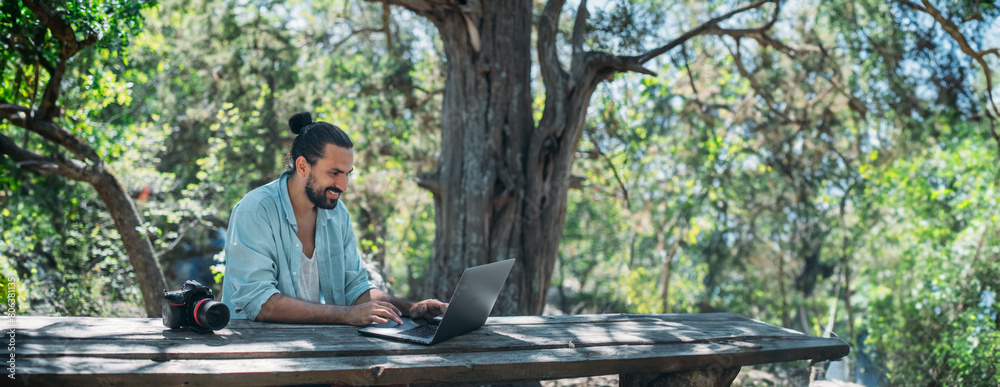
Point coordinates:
[(57, 350)]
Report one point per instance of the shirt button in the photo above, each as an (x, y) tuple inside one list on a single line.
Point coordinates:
[(294, 273), (296, 245)]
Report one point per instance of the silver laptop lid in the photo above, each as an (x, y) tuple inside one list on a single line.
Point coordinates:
[(470, 306), (473, 299)]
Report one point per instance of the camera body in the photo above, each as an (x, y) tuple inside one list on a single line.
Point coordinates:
[(194, 307)]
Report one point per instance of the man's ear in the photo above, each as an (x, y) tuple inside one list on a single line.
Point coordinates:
[(302, 167)]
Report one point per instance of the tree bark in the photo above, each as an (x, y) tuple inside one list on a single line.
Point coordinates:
[(480, 183)]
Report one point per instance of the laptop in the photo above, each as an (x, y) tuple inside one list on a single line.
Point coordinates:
[(470, 305)]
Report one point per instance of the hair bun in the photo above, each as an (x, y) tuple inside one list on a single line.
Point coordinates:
[(299, 121)]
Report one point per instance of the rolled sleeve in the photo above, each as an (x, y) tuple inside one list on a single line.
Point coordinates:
[(250, 262)]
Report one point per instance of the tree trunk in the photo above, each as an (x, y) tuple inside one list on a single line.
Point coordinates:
[(479, 186), (500, 185), (137, 244)]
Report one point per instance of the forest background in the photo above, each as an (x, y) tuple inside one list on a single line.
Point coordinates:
[(827, 166)]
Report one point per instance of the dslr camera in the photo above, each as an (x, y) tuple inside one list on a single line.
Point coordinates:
[(194, 307)]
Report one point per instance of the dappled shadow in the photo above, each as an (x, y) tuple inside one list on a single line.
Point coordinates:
[(670, 342), (506, 348)]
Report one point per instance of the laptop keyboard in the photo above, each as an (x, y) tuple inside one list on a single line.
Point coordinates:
[(425, 331)]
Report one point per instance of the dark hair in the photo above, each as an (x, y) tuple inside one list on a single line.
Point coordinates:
[(312, 138)]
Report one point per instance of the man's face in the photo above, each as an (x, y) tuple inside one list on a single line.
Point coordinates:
[(328, 178)]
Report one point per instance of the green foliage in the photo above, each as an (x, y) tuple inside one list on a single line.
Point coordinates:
[(27, 44), (769, 192), (937, 304), (854, 171)]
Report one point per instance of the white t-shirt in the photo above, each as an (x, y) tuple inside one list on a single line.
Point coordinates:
[(309, 280)]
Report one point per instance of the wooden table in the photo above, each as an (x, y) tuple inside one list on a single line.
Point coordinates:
[(642, 349)]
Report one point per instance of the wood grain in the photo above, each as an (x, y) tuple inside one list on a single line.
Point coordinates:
[(75, 350)]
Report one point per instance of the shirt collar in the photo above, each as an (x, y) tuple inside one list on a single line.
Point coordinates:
[(286, 200)]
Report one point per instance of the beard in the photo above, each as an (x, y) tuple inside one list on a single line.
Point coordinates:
[(318, 196)]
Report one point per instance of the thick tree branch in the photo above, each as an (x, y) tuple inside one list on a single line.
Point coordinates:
[(48, 108), (425, 8), (59, 28), (430, 182), (553, 74), (30, 161), (436, 10), (766, 40), (579, 28), (9, 109), (18, 115), (605, 65)]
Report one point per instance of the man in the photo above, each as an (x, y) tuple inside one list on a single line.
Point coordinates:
[(291, 255)]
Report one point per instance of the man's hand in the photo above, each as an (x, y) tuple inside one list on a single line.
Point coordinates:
[(373, 312), (422, 309), (428, 309)]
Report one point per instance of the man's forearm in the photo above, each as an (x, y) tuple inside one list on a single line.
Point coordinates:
[(285, 309), (374, 306)]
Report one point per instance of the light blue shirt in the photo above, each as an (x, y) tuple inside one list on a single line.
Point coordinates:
[(263, 254)]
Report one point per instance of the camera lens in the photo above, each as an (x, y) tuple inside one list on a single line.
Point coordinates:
[(211, 314)]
